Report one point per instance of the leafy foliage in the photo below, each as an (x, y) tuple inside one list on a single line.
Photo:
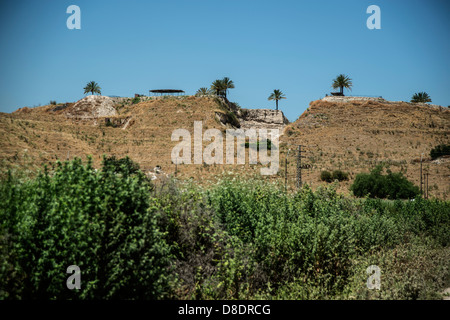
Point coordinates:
[(92, 87), (342, 81), (203, 92), (135, 100), (104, 222), (439, 151), (421, 97), (335, 175), (220, 87), (276, 95), (377, 185), (236, 240)]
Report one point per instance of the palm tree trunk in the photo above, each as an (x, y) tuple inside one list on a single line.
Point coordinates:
[(277, 104), (342, 90)]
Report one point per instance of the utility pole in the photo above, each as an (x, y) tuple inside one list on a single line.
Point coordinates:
[(421, 190), (299, 167), (285, 171), (176, 167), (426, 184)]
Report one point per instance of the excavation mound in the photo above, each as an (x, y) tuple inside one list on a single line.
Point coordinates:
[(92, 107)]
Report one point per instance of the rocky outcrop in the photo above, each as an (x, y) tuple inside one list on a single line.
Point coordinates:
[(263, 118), (350, 99), (91, 107)]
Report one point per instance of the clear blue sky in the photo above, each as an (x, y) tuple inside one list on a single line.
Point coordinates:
[(297, 46)]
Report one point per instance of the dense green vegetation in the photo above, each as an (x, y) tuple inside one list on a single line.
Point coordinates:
[(105, 222), (235, 240), (439, 151), (335, 175), (377, 185)]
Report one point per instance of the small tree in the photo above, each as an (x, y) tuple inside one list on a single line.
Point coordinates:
[(342, 81), (421, 97), (220, 87), (276, 95), (439, 151), (203, 92), (93, 88), (227, 84)]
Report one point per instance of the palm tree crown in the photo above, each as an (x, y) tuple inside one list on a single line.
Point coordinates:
[(342, 81), (220, 87), (217, 87), (276, 95), (203, 92), (92, 87), (227, 84), (421, 97)]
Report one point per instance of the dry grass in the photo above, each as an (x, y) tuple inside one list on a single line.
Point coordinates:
[(353, 137)]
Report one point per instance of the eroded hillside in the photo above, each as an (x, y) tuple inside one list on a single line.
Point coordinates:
[(355, 136), (352, 136)]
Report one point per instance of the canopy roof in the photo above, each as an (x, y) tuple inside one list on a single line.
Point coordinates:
[(166, 91)]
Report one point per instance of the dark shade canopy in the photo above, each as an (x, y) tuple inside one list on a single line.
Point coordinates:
[(166, 91)]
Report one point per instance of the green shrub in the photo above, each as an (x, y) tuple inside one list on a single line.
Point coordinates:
[(439, 151), (104, 222), (135, 100), (377, 185), (326, 176), (336, 175), (196, 240), (235, 240), (340, 175), (233, 119)]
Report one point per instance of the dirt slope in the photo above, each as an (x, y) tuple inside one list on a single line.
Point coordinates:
[(352, 136), (355, 136)]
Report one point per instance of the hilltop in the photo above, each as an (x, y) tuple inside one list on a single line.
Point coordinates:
[(140, 129), (337, 133), (355, 134)]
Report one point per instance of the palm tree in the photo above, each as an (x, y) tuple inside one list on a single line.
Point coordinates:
[(203, 92), (276, 95), (227, 84), (92, 87), (421, 97), (342, 81), (220, 87)]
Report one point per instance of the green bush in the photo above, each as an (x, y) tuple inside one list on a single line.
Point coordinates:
[(235, 240), (326, 176), (104, 222), (439, 151), (340, 175), (376, 185), (135, 100), (336, 175)]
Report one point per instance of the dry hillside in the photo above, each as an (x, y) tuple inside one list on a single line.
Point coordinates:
[(352, 136), (142, 131)]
